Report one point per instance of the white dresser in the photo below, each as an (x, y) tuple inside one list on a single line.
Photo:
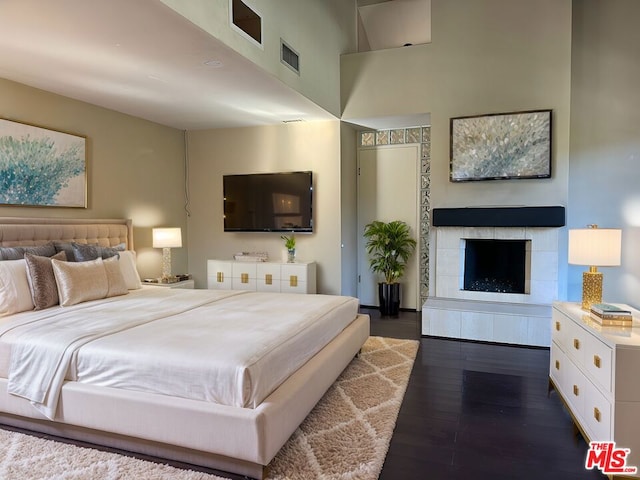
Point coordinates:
[(596, 370), (261, 276)]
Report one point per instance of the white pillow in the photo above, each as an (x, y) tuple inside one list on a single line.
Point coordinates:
[(129, 270), (14, 287), (80, 281)]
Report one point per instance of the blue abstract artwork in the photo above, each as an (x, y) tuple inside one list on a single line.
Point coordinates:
[(41, 167)]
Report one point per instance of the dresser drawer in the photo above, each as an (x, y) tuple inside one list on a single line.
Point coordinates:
[(218, 282), (244, 282), (575, 342), (559, 328), (293, 284), (596, 414), (295, 278), (574, 387), (219, 275), (598, 362), (558, 367), (268, 277), (244, 270)]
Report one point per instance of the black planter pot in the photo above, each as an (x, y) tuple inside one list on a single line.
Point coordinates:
[(389, 298)]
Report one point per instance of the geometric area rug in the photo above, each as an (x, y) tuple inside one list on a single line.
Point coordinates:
[(346, 436)]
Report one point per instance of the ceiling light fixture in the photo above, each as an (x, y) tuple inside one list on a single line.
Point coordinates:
[(214, 63)]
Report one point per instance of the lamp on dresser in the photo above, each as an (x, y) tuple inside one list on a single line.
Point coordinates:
[(595, 247), (167, 238)]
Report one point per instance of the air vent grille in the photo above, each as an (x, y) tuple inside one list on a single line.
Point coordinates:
[(289, 57)]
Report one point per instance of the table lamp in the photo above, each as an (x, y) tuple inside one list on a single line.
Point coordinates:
[(595, 247), (167, 238)]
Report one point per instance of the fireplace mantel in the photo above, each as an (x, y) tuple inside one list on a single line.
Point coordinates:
[(540, 216)]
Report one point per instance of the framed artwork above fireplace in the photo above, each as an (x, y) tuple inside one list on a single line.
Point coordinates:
[(501, 146)]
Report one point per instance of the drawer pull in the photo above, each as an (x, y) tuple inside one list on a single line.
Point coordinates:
[(557, 364), (576, 344), (220, 277), (268, 279), (557, 326), (596, 414), (576, 390), (244, 277), (596, 361), (293, 280)]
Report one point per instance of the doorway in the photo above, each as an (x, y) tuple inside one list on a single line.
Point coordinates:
[(388, 189)]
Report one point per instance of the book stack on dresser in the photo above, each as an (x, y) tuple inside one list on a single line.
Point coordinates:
[(607, 314)]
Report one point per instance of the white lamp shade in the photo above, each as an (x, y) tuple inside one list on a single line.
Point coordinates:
[(167, 237), (599, 247)]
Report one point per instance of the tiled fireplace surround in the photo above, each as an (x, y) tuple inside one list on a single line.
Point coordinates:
[(497, 317)]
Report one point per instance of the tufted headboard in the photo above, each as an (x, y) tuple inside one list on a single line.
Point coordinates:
[(24, 231)]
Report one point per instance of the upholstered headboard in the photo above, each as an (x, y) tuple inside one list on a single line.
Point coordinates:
[(24, 231)]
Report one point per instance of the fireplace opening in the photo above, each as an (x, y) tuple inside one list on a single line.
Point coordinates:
[(496, 265)]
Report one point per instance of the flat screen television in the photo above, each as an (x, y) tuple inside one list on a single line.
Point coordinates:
[(268, 202)]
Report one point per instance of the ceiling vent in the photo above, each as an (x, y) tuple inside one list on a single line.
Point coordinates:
[(289, 57)]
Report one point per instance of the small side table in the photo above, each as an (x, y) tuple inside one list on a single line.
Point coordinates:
[(187, 284)]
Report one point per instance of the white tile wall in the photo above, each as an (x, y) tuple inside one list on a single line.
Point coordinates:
[(444, 323), (482, 323)]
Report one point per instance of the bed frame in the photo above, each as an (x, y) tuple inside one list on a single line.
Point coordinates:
[(238, 440)]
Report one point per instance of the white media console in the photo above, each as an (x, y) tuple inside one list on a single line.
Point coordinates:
[(261, 276)]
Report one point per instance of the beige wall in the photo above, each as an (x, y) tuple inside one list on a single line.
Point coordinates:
[(486, 56), (135, 167), (605, 137), (311, 146), (319, 31)]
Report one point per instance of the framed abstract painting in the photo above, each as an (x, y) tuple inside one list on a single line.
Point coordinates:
[(501, 146), (41, 167)]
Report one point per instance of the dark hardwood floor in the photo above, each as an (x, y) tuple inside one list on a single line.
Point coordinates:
[(481, 411)]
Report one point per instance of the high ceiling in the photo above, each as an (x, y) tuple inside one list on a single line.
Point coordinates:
[(141, 58), (393, 23)]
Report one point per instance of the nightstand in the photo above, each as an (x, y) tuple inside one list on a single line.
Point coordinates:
[(187, 284)]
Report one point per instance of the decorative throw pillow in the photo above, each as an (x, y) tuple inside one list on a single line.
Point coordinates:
[(15, 295), (16, 253), (42, 282), (129, 270), (84, 252), (108, 252), (67, 248), (117, 285), (80, 281)]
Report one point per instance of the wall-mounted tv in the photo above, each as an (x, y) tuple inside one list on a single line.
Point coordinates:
[(268, 202)]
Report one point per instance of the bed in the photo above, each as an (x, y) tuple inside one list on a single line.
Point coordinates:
[(139, 367)]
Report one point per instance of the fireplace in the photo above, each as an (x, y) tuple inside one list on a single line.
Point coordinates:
[(475, 250), (501, 266)]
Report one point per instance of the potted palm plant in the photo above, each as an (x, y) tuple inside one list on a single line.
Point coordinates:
[(389, 246)]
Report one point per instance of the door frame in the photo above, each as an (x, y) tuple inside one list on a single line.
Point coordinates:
[(361, 253)]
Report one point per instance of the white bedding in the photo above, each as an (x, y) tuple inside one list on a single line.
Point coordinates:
[(232, 348)]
